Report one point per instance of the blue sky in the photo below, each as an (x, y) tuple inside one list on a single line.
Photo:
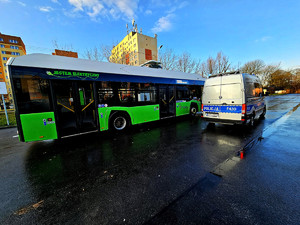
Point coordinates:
[(244, 30)]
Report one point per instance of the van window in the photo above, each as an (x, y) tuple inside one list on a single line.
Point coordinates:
[(253, 90), (231, 91), (258, 90)]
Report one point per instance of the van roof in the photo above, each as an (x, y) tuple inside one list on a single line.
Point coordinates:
[(230, 73)]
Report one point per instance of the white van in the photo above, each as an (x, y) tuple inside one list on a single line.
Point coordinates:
[(233, 99)]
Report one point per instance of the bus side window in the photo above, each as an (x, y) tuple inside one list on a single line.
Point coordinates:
[(147, 94), (183, 93), (32, 95)]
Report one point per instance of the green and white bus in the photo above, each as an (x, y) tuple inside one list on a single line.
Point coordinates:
[(57, 97)]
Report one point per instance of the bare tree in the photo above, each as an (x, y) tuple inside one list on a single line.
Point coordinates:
[(102, 53), (265, 73), (186, 64), (168, 59), (208, 67), (106, 53), (94, 54), (65, 47), (222, 63), (253, 67)]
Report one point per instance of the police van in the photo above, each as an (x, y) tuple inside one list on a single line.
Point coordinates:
[(232, 98)]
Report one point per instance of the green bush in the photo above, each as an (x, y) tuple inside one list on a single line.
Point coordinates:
[(11, 118)]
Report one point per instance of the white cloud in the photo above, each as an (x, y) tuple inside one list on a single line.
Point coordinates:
[(163, 24), (115, 8), (45, 8), (148, 12), (180, 6), (22, 4), (5, 1), (263, 39), (56, 2)]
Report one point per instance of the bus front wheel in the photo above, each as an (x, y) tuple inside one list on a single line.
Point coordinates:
[(119, 122)]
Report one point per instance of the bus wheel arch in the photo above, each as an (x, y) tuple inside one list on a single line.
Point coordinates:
[(119, 121)]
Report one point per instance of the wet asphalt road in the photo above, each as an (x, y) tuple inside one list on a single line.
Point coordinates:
[(156, 173)]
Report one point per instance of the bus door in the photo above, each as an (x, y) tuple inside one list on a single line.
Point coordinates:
[(167, 101), (86, 107), (75, 107)]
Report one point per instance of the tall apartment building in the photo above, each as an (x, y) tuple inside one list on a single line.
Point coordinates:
[(135, 49), (10, 46)]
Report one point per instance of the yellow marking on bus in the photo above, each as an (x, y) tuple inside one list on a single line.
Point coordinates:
[(87, 105), (65, 107), (171, 99)]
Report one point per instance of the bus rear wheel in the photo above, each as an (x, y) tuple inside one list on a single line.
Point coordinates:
[(119, 122), (193, 110)]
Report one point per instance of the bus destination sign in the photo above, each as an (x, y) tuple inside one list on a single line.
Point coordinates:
[(69, 74)]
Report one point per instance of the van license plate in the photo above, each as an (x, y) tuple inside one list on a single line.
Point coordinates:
[(212, 114)]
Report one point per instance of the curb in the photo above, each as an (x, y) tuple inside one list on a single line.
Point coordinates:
[(12, 126)]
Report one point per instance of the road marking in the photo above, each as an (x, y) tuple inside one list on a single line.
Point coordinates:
[(15, 136)]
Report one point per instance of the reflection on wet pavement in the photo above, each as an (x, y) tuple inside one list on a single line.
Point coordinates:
[(109, 175)]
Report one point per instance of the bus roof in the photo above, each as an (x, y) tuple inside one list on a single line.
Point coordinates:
[(84, 65)]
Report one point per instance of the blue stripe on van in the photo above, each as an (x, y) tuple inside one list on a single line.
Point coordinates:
[(223, 108)]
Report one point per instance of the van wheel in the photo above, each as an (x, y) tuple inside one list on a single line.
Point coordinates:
[(119, 122), (262, 116), (251, 122)]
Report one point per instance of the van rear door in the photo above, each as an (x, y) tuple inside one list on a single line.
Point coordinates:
[(231, 90), (211, 92)]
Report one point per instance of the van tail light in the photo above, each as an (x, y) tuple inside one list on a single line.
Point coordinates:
[(202, 107), (244, 109)]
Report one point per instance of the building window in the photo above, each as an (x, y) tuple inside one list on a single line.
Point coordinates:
[(13, 41), (3, 52), (14, 47), (6, 77), (1, 39), (2, 46), (15, 53), (0, 72), (5, 58), (135, 62)]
